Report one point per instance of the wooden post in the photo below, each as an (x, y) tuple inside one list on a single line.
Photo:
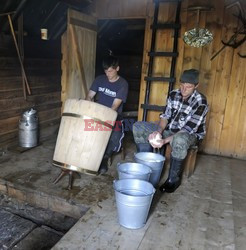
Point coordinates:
[(18, 53)]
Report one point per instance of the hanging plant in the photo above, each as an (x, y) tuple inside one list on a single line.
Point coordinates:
[(198, 37)]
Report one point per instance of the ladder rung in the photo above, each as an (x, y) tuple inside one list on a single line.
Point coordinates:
[(159, 53), (166, 26), (153, 107), (159, 79)]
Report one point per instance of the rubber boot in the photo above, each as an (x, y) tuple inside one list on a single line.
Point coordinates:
[(144, 147), (103, 166), (174, 177)]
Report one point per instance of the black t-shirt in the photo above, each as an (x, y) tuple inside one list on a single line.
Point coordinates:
[(107, 91)]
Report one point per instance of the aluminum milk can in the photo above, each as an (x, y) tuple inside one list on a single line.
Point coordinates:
[(28, 129)]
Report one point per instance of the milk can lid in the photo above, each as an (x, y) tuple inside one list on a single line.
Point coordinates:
[(30, 112)]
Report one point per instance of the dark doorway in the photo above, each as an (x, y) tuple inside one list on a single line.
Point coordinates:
[(125, 39)]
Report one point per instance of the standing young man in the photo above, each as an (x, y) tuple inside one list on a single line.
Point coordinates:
[(182, 125), (112, 91)]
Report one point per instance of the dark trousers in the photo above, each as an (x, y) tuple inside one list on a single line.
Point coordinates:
[(115, 140)]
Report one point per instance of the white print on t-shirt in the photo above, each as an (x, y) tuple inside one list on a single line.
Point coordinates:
[(107, 91), (101, 89)]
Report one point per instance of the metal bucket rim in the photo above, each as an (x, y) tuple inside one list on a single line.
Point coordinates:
[(150, 153), (136, 180), (136, 164)]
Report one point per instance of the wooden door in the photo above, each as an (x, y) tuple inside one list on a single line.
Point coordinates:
[(79, 55)]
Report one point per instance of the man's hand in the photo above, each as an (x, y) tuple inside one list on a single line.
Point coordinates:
[(153, 135), (91, 94), (155, 139), (116, 104), (167, 140)]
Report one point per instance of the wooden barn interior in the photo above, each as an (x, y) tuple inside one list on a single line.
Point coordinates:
[(51, 51)]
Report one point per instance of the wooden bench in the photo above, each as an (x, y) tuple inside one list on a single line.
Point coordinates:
[(190, 160)]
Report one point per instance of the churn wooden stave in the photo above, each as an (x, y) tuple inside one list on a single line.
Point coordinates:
[(83, 135)]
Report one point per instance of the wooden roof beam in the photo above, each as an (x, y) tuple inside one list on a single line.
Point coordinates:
[(16, 14), (77, 3)]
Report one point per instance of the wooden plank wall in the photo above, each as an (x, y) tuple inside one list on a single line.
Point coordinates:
[(223, 80), (44, 76), (115, 9)]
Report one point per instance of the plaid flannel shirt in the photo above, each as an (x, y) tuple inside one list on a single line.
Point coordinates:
[(186, 115)]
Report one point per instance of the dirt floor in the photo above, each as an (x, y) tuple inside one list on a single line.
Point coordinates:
[(208, 211)]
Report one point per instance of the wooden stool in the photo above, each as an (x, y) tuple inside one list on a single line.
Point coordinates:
[(190, 160)]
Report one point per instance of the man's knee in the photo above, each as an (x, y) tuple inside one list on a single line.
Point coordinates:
[(141, 131), (181, 138), (180, 145), (137, 126)]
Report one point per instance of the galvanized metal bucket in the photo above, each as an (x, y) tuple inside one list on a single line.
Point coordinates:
[(133, 170), (154, 161), (133, 200), (28, 129)]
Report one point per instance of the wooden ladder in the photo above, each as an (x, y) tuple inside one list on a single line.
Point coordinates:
[(153, 53)]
